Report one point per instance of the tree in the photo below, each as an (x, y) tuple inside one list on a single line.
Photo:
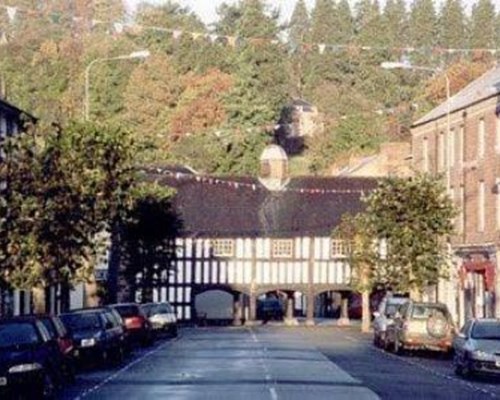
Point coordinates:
[(413, 218), (148, 240), (58, 201), (200, 107), (482, 25), (399, 241), (299, 24), (423, 24), (151, 98), (452, 25), (396, 23)]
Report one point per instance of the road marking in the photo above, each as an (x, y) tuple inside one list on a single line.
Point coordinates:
[(274, 395), (113, 376)]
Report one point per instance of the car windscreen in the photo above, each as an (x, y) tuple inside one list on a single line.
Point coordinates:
[(163, 309), (81, 322), (127, 311), (18, 334), (486, 330)]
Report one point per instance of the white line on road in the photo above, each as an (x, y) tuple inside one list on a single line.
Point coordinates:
[(274, 395), (95, 388)]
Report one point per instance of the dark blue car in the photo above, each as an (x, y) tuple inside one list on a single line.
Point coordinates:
[(97, 335), (29, 359)]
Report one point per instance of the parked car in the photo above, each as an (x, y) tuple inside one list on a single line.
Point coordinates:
[(96, 333), (162, 317), (29, 359), (137, 325), (477, 348), (421, 326), (384, 316), (270, 309), (60, 334)]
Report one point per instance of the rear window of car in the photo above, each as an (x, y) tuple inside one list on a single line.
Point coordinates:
[(48, 324), (486, 330), (149, 309), (128, 310), (18, 334), (425, 311), (164, 309), (81, 322)]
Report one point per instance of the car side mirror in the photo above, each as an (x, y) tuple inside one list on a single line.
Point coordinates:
[(462, 335), (376, 314), (397, 315)]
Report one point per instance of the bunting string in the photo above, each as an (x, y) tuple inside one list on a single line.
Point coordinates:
[(204, 179), (119, 27)]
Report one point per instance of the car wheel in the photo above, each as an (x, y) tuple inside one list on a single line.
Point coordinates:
[(398, 348), (457, 367), (173, 331)]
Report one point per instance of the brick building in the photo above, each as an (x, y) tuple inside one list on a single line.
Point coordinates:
[(460, 139)]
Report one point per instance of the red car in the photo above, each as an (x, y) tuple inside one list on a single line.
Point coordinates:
[(137, 324)]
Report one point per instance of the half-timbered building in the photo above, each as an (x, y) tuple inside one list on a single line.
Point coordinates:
[(247, 237)]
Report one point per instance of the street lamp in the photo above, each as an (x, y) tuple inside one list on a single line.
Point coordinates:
[(408, 65), (135, 54)]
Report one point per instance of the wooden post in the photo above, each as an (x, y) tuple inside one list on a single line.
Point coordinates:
[(310, 287), (238, 309), (344, 311)]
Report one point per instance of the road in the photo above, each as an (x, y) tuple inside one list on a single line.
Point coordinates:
[(278, 363)]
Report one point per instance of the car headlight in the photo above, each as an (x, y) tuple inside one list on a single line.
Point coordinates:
[(24, 368), (88, 342), (481, 355)]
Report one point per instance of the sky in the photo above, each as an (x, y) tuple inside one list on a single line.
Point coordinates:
[(206, 8)]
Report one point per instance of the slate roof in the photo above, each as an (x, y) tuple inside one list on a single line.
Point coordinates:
[(222, 210), (488, 85)]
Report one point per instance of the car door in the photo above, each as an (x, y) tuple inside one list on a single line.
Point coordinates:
[(49, 353), (460, 341), (113, 330)]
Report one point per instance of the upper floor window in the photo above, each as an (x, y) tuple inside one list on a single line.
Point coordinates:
[(441, 152), (497, 134), (497, 196), (481, 198), (461, 209), (461, 145), (451, 147), (481, 139), (425, 155), (282, 248), (340, 248), (223, 247)]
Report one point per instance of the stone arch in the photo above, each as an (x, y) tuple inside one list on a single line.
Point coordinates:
[(219, 305)]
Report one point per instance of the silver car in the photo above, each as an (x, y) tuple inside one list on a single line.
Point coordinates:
[(477, 347), (162, 317), (384, 316)]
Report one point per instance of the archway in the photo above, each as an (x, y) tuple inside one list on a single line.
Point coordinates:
[(214, 307)]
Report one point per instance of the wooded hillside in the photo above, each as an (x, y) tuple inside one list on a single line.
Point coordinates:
[(210, 97)]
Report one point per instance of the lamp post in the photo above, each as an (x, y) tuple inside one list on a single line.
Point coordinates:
[(86, 104), (408, 65)]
